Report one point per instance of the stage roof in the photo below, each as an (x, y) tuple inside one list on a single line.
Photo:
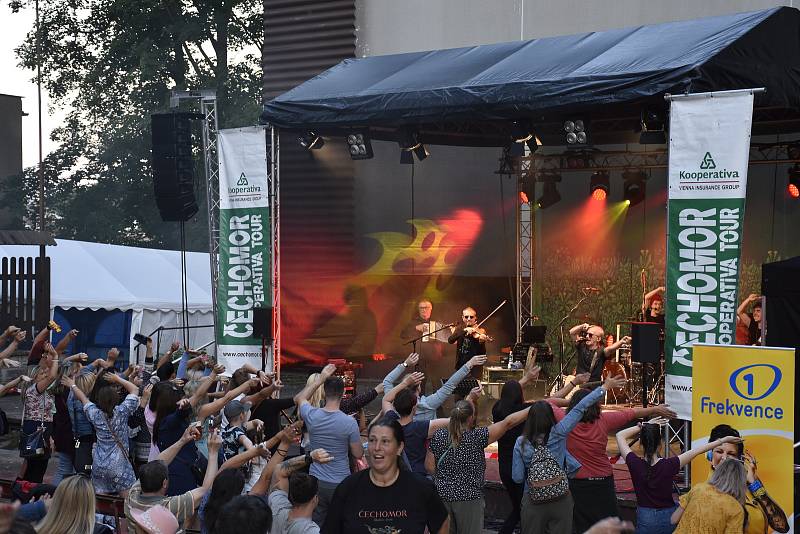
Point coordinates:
[(528, 79)]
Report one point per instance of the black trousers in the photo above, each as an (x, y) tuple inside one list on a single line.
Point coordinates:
[(83, 455), (595, 499), (515, 494)]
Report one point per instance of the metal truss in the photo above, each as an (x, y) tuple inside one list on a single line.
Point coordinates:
[(273, 183), (526, 245), (679, 431), (207, 99)]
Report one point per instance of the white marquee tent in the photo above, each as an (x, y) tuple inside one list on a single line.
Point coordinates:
[(146, 281)]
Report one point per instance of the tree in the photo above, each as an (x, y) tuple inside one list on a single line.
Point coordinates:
[(112, 63)]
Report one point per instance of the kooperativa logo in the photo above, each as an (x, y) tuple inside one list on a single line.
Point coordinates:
[(755, 382)]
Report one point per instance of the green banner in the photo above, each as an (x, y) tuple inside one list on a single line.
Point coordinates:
[(245, 241)]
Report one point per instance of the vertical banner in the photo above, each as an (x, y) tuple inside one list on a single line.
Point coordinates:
[(752, 390), (709, 149), (244, 245)]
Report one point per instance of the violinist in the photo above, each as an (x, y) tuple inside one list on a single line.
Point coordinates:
[(470, 341)]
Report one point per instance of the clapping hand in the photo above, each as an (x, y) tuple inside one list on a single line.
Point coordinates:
[(413, 379), (412, 359)]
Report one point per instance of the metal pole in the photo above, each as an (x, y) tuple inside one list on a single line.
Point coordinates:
[(275, 218), (40, 170), (208, 107)]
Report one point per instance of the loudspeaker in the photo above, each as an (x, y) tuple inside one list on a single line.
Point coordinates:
[(262, 323), (645, 347), (173, 165)]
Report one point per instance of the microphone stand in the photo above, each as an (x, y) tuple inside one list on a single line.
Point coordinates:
[(427, 334), (560, 378)]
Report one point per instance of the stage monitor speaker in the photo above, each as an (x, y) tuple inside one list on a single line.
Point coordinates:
[(645, 347), (173, 165), (262, 323)]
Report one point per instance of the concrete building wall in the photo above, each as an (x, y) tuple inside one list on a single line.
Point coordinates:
[(391, 26)]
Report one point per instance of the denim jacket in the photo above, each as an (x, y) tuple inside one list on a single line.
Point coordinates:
[(427, 405), (80, 423), (556, 442)]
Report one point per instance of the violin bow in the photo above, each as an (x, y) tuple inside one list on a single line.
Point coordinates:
[(493, 312)]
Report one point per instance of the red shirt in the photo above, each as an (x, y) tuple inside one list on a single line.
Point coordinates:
[(587, 442)]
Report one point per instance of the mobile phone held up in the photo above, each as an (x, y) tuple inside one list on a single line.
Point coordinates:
[(141, 338)]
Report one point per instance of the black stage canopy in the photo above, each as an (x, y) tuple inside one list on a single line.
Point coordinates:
[(447, 89)]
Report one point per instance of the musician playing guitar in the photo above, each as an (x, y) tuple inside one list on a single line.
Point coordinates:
[(470, 341), (591, 350)]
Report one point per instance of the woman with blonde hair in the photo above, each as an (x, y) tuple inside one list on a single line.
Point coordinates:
[(716, 506), (72, 509), (82, 429), (458, 463)]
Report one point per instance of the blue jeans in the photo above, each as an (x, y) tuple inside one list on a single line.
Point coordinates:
[(64, 467), (654, 520)]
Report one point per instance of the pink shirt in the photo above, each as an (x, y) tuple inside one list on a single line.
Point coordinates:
[(150, 420), (587, 442)]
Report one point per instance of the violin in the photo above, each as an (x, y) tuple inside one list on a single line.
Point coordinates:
[(477, 333)]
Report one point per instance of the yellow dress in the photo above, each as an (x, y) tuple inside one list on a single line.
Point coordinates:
[(709, 511)]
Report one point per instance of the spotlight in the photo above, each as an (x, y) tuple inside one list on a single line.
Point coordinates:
[(311, 140), (359, 145), (793, 188), (576, 132), (550, 194), (409, 145), (652, 125), (599, 185), (634, 187), (526, 187), (522, 134)]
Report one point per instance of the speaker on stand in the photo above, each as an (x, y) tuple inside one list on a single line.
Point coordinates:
[(262, 329), (646, 350)]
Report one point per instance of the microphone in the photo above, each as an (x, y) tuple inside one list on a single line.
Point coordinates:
[(594, 289)]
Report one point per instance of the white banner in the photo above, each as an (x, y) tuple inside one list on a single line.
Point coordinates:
[(709, 150), (244, 245)]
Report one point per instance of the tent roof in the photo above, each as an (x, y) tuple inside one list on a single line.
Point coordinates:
[(99, 276), (498, 82)]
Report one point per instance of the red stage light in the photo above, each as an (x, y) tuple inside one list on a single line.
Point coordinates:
[(523, 197), (599, 194), (794, 192)]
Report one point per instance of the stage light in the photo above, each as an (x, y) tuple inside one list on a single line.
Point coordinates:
[(634, 187), (523, 197), (793, 188), (550, 194), (359, 145), (410, 145), (576, 132), (652, 127), (311, 140), (522, 134), (599, 185), (526, 187)]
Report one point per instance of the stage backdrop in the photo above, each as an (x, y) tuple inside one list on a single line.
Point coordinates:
[(244, 244), (752, 390), (709, 148)]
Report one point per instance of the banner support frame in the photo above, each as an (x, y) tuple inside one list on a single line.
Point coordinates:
[(754, 91)]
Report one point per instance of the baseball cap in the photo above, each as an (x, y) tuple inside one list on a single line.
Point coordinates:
[(235, 408)]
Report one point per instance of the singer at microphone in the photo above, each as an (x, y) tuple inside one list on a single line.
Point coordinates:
[(591, 351)]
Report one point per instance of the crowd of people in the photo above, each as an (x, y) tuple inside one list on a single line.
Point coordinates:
[(188, 444)]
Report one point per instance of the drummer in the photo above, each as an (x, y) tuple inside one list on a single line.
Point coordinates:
[(591, 349)]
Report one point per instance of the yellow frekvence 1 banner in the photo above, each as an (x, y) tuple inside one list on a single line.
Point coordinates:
[(752, 390)]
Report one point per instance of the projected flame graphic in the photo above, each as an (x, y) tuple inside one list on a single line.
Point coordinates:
[(362, 315)]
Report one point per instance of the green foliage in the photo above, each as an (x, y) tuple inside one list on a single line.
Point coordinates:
[(111, 63)]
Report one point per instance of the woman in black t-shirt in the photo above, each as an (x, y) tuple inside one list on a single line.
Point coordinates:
[(385, 498)]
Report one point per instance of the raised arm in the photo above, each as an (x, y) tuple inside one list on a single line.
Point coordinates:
[(70, 383), (214, 444), (662, 410), (167, 356), (576, 331), (305, 393), (689, 455), (215, 406), (6, 387), (437, 399), (409, 380), (622, 439), (130, 387), (741, 311), (648, 297), (280, 476), (190, 434), (18, 337), (569, 386), (263, 393), (609, 350), (205, 385), (497, 430), (66, 340), (285, 436), (44, 382)]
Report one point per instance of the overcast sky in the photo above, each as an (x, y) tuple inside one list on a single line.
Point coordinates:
[(16, 81)]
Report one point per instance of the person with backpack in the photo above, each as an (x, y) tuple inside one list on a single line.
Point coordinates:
[(542, 463)]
